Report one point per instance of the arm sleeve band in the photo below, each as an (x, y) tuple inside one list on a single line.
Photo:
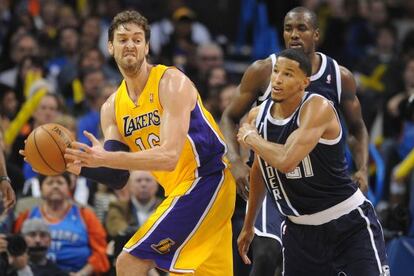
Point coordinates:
[(113, 178)]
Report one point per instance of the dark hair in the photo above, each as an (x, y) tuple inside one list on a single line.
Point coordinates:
[(300, 57), (129, 16), (65, 175), (303, 10), (84, 72)]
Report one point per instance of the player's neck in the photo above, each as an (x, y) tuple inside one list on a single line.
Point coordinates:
[(284, 109), (135, 84), (316, 62)]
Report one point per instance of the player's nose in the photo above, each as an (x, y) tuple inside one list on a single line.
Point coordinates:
[(294, 34)]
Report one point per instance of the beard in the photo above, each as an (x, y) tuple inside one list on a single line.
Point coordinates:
[(129, 67)]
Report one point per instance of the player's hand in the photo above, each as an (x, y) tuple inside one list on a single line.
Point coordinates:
[(21, 152), (7, 194), (361, 178), (240, 172), (86, 156), (243, 243), (74, 167), (3, 243), (245, 132)]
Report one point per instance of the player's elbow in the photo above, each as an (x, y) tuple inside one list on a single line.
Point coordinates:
[(170, 160), (287, 166)]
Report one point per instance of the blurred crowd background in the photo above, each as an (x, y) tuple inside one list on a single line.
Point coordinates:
[(55, 67)]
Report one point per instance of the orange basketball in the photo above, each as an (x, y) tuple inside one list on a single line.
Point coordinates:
[(45, 148)]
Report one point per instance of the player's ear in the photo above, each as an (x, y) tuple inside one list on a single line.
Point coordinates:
[(111, 48), (146, 48), (316, 36), (306, 82)]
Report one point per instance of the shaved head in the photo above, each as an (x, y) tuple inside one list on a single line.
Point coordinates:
[(313, 19)]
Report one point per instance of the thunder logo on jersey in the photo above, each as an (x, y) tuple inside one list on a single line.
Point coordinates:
[(141, 121)]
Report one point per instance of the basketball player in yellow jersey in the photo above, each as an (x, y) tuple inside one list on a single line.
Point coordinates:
[(157, 114)]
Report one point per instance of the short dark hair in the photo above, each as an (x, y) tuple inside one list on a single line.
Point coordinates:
[(129, 16), (300, 57), (65, 175), (312, 15)]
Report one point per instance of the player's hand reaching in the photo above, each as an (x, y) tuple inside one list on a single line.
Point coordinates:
[(243, 243), (240, 172), (246, 131), (8, 196), (361, 178), (83, 155)]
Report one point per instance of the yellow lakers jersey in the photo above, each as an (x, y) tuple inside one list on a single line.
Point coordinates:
[(139, 125)]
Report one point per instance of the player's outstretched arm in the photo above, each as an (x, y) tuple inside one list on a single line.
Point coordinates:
[(358, 135), (256, 196), (254, 80), (317, 120), (178, 97)]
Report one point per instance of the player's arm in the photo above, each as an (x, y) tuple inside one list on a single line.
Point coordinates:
[(6, 190), (358, 135), (178, 97), (114, 178), (254, 80), (317, 120), (256, 196)]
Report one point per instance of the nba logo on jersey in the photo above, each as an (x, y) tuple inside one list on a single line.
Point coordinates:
[(151, 97), (164, 246), (328, 79)]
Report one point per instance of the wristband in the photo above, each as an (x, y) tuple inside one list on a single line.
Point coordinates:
[(5, 178)]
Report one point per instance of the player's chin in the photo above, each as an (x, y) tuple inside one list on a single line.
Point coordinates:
[(276, 97)]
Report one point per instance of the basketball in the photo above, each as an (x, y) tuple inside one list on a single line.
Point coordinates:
[(45, 148)]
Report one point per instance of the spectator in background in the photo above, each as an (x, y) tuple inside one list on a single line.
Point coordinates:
[(397, 148), (133, 208), (37, 236), (15, 259), (21, 46), (208, 56), (5, 20), (90, 33), (362, 30), (161, 30), (216, 80), (47, 23), (180, 47), (377, 75), (67, 17), (69, 78), (67, 53), (225, 96), (92, 81), (8, 105), (78, 238), (96, 93), (31, 69)]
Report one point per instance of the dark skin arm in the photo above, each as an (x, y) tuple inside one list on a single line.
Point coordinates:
[(358, 135), (255, 80), (6, 190)]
